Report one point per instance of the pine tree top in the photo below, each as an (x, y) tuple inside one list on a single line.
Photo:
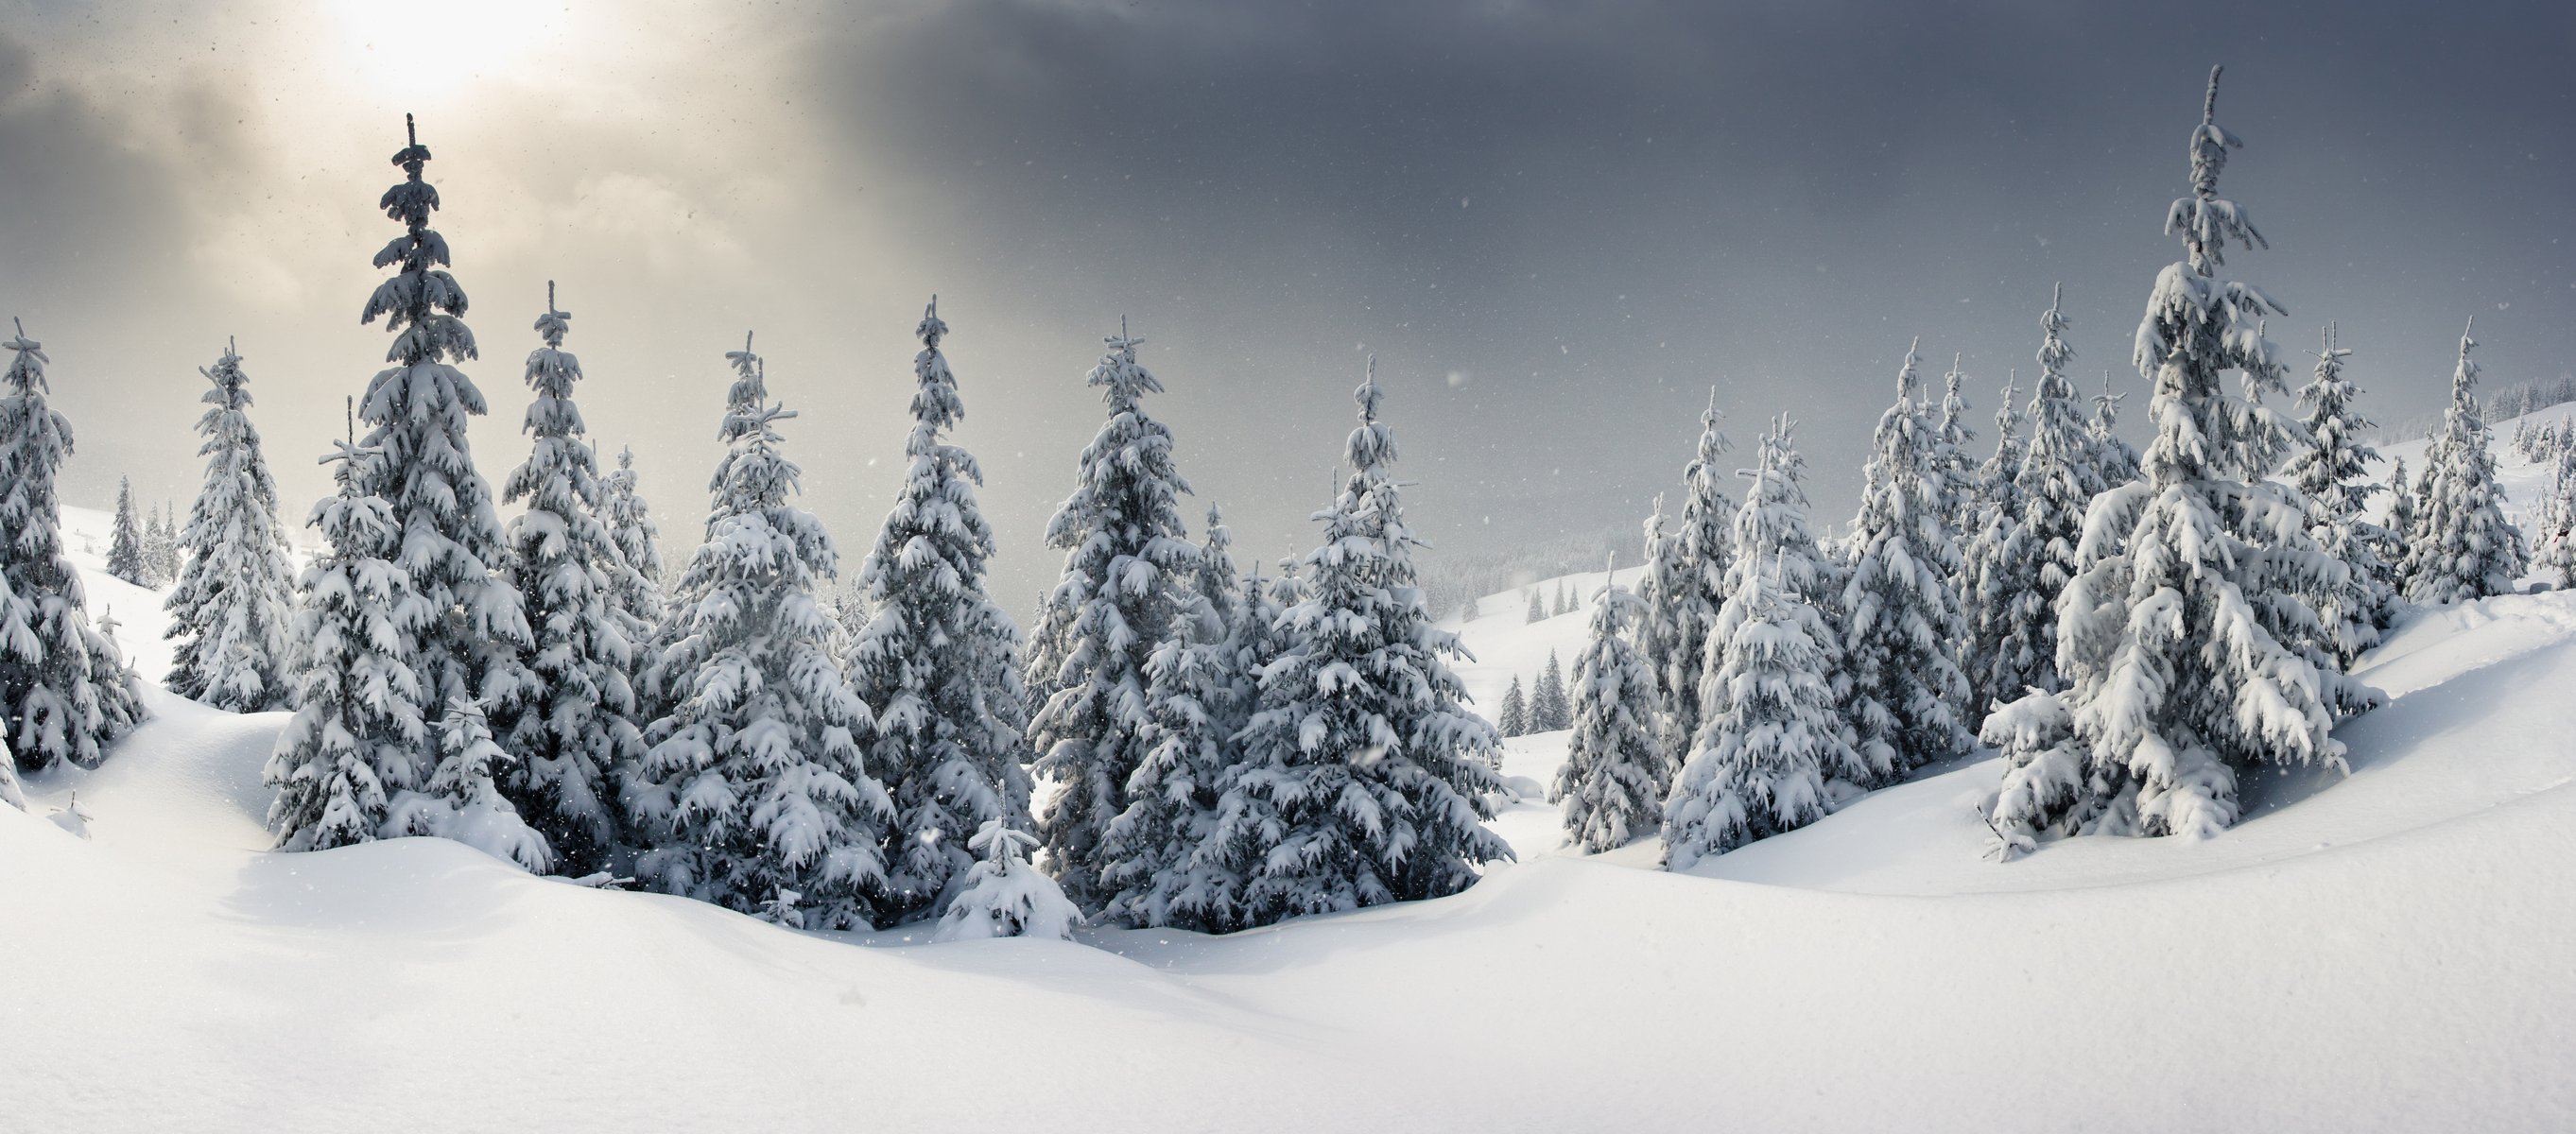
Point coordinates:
[(26, 363)]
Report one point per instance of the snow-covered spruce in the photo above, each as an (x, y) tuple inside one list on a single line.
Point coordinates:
[(1902, 624), (1612, 784), (2462, 547), (2554, 528), (635, 576), (1364, 776), (1985, 579), (577, 723), (938, 659), (1958, 483), (1551, 710), (2399, 527), (65, 694), (161, 546), (2200, 551), (1003, 896), (2114, 462), (462, 800), (1682, 595), (2015, 649), (1125, 583), (125, 544), (235, 596), (1513, 719), (2330, 471), (417, 459), (1537, 610), (1772, 731), (358, 734), (753, 783)]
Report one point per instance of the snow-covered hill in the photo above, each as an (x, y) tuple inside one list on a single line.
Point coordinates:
[(2384, 955)]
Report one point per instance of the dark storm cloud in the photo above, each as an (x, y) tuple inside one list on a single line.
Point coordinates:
[(1593, 211)]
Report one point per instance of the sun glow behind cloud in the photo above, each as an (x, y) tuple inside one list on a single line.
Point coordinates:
[(400, 52)]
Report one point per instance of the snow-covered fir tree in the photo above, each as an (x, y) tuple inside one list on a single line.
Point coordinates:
[(2027, 563), (1674, 631), (1985, 603), (753, 784), (1003, 896), (419, 462), (2114, 461), (1125, 583), (1772, 731), (2463, 547), (358, 734), (65, 694), (1512, 719), (2201, 550), (2553, 535), (577, 724), (235, 598), (1958, 483), (1550, 708), (1364, 777), (2400, 526), (125, 546), (1902, 625), (1537, 610), (161, 546), (635, 575), (2330, 470), (939, 659), (1612, 784), (463, 801)]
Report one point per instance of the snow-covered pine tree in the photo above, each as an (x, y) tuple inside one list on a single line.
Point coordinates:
[(1902, 626), (235, 597), (125, 547), (1612, 784), (1364, 777), (635, 576), (2554, 527), (1550, 709), (2201, 550), (1003, 896), (463, 801), (939, 659), (753, 783), (64, 690), (577, 723), (2329, 470), (2114, 461), (1750, 772), (1125, 583), (1653, 631), (419, 462), (161, 545), (1958, 484), (2015, 649), (2466, 548), (358, 733), (1513, 719), (1684, 608), (2402, 526), (1985, 603), (1537, 609), (1564, 599)]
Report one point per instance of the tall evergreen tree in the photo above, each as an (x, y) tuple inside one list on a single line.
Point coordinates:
[(2015, 649), (64, 690), (753, 794), (1124, 584), (358, 733), (2401, 526), (577, 726), (161, 546), (2158, 723), (2554, 532), (635, 575), (1537, 610), (125, 546), (1772, 732), (1958, 483), (1685, 608), (419, 462), (1364, 776), (1903, 625), (2114, 462), (1985, 600), (2464, 548), (1550, 709), (1655, 631), (1513, 717), (1611, 786), (938, 658), (235, 599), (2329, 470)]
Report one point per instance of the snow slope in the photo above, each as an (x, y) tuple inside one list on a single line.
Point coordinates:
[(2385, 955)]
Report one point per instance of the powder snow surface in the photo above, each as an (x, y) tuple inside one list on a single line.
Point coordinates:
[(2389, 952)]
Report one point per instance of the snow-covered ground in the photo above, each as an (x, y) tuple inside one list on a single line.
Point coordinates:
[(2385, 954)]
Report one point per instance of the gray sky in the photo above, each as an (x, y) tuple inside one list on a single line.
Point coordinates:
[(1555, 224)]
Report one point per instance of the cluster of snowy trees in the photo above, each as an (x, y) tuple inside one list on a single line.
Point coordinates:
[(2133, 631), (144, 553), (1547, 707)]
